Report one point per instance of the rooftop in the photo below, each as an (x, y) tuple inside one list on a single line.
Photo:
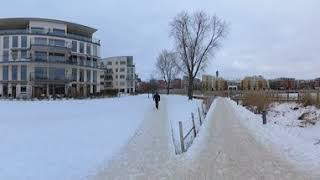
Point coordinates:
[(22, 23)]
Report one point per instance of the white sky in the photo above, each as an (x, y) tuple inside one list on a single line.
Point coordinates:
[(267, 37)]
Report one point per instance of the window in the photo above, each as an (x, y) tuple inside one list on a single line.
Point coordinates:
[(23, 71), (5, 56), (110, 63), (88, 75), (74, 74), (117, 63), (95, 50), (14, 55), (40, 41), (58, 31), (95, 63), (74, 46), (88, 48), (116, 76), (6, 42), (116, 69), (122, 69), (40, 56), (14, 74), (56, 73), (122, 76), (122, 83), (23, 89), (81, 61), (81, 47), (24, 54), (122, 62), (81, 75), (56, 57), (5, 73), (15, 41), (24, 41), (37, 30), (40, 73), (94, 76), (88, 62), (57, 42)]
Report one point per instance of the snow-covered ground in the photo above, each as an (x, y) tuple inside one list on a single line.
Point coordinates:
[(289, 136), (179, 109), (65, 139)]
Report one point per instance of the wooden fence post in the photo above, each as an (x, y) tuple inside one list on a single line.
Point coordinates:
[(202, 109), (181, 136), (194, 125), (264, 117), (288, 96), (199, 116)]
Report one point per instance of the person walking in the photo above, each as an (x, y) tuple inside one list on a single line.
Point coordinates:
[(156, 99)]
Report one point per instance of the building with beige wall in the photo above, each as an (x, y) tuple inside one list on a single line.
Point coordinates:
[(121, 74), (213, 83), (254, 83)]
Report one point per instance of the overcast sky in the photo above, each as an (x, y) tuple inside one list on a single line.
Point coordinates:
[(272, 38)]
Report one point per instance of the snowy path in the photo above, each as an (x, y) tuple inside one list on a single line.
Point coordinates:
[(148, 151), (224, 150)]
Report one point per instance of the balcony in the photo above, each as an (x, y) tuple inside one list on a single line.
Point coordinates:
[(66, 35), (44, 79)]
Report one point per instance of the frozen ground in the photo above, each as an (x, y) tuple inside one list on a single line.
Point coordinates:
[(127, 138), (289, 136), (224, 150), (65, 140), (179, 109)]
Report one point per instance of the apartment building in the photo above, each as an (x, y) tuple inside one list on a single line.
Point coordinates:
[(43, 57), (254, 83), (122, 71), (213, 83), (283, 83)]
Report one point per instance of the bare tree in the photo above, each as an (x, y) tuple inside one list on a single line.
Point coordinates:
[(167, 67), (197, 37)]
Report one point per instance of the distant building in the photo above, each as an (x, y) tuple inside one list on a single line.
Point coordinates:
[(283, 84), (305, 84), (213, 83), (177, 84), (123, 73), (317, 83), (161, 84), (254, 83), (234, 84), (196, 83)]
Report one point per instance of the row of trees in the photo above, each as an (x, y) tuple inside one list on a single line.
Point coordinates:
[(197, 37)]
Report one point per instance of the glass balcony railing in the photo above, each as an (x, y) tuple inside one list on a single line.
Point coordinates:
[(42, 32)]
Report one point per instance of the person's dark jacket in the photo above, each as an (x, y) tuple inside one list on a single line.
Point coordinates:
[(156, 97)]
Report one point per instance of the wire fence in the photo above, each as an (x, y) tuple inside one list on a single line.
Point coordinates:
[(188, 130)]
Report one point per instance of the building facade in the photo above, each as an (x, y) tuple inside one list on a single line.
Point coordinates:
[(44, 57), (213, 83), (123, 73), (254, 83), (283, 84)]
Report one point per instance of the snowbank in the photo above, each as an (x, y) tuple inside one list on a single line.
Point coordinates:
[(299, 145), (65, 140), (179, 109)]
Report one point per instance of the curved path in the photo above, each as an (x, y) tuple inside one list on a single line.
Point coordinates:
[(225, 150)]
